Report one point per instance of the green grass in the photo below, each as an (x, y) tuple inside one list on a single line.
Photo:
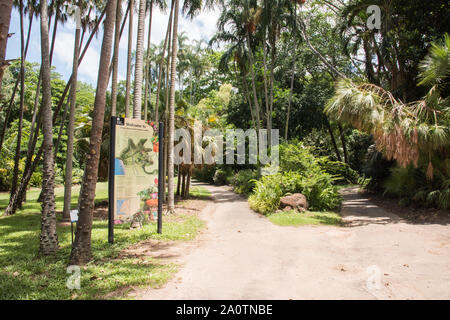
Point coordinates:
[(32, 205), (24, 275), (200, 193), (294, 218)]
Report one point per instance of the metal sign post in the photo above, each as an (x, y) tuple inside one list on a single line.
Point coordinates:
[(112, 152), (160, 175)]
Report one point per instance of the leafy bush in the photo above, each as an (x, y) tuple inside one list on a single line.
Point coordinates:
[(205, 174), (340, 170), (244, 181), (317, 188), (297, 157), (222, 176), (267, 194), (36, 179), (411, 186)]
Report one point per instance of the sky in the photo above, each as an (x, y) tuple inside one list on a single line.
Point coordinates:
[(201, 27)]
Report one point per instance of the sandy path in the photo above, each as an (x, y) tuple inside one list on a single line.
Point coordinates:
[(242, 255)]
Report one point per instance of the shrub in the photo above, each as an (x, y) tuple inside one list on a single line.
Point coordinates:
[(205, 174), (297, 157), (222, 176), (244, 181), (267, 194), (36, 179), (340, 170), (411, 186), (318, 188)]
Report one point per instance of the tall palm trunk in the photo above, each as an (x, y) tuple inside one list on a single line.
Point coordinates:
[(147, 67), (294, 63), (5, 17), (81, 249), (115, 65), (170, 164), (158, 88), (139, 64), (252, 72), (22, 102), (48, 238), (130, 52), (71, 123)]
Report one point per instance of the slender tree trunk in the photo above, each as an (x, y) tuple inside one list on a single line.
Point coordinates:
[(139, 64), (148, 63), (22, 102), (179, 181), (115, 71), (333, 140), (170, 165), (344, 144), (252, 72), (5, 17), (8, 113), (266, 94), (48, 238), (71, 123), (316, 52), (161, 63), (294, 63), (81, 249), (130, 51)]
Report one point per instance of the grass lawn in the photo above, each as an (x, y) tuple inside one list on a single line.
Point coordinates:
[(24, 275), (294, 218)]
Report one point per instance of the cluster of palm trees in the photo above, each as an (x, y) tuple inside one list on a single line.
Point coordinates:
[(89, 18)]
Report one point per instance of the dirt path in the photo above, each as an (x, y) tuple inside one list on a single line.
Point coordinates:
[(241, 255)]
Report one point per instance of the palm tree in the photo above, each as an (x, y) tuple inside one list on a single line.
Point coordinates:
[(48, 238), (71, 123), (115, 64), (129, 57), (173, 70), (410, 133), (5, 17), (81, 249), (139, 64)]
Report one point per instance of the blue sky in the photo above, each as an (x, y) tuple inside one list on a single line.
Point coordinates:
[(202, 27)]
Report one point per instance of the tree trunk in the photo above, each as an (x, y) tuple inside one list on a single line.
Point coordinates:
[(255, 95), (188, 184), (139, 63), (71, 123), (179, 180), (130, 52), (22, 102), (148, 63), (115, 71), (170, 165), (294, 62), (48, 238), (161, 63), (5, 17), (344, 144), (333, 140), (81, 249)]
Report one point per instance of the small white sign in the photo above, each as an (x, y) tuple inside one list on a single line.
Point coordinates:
[(74, 215)]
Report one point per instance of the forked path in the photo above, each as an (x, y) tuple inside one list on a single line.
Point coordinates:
[(242, 255)]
